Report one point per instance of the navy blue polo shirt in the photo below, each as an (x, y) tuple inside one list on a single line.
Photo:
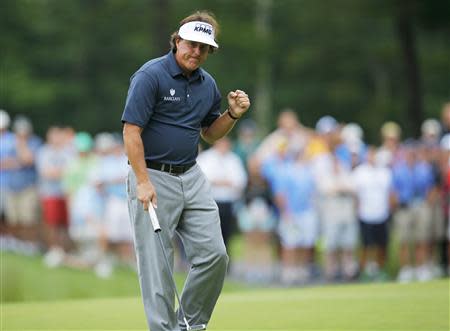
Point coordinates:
[(171, 109)]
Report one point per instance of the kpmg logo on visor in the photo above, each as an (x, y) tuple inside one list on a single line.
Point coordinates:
[(198, 31), (205, 28)]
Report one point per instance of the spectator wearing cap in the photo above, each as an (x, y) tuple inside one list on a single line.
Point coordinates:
[(445, 125), (352, 149), (336, 203), (337, 210), (430, 132), (445, 118), (390, 136), (272, 171), (445, 168), (321, 151), (246, 142), (298, 229), (430, 148), (109, 178), (7, 163), (85, 207), (22, 209), (413, 182), (325, 139)]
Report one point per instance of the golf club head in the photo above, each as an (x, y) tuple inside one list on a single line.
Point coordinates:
[(196, 327)]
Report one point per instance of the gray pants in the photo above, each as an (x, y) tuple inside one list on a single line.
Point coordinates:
[(186, 207)]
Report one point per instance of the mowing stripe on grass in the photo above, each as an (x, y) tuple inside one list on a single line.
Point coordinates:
[(334, 308)]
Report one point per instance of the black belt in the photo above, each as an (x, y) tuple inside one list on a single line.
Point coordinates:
[(170, 168)]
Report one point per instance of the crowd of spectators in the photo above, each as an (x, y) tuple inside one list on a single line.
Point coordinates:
[(310, 204), (64, 197), (319, 204)]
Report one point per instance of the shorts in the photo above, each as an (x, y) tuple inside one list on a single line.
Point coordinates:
[(448, 225), (54, 211), (22, 208), (257, 215), (448, 231), (117, 221), (374, 234), (340, 236), (85, 212), (437, 221), (299, 231), (414, 223), (3, 203)]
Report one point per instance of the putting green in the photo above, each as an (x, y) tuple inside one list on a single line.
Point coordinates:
[(390, 306)]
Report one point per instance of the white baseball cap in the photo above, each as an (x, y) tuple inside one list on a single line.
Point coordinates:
[(22, 125), (201, 32), (431, 127), (4, 119), (352, 132), (445, 142), (326, 124)]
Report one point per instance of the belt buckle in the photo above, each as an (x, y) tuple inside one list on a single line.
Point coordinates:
[(171, 170)]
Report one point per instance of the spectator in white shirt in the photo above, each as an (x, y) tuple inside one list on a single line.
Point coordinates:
[(338, 219), (373, 185), (228, 178)]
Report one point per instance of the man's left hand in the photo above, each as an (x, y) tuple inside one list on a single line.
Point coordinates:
[(238, 103)]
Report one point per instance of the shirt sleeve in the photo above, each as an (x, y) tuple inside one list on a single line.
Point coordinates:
[(141, 99), (41, 159), (214, 113)]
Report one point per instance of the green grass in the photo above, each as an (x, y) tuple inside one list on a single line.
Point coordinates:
[(27, 279), (35, 298), (356, 307)]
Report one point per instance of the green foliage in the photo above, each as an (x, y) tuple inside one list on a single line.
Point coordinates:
[(70, 61)]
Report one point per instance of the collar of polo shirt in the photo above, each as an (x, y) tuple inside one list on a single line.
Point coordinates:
[(201, 32)]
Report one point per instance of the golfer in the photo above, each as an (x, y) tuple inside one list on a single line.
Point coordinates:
[(171, 102)]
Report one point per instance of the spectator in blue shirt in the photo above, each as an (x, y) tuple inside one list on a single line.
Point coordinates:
[(413, 181), (7, 151), (22, 198), (298, 227)]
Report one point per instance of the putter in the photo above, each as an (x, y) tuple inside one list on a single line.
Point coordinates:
[(157, 229)]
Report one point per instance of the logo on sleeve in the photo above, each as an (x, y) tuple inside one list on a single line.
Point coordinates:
[(172, 96)]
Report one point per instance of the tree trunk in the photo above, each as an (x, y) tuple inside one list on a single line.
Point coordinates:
[(263, 92), (160, 26), (407, 39)]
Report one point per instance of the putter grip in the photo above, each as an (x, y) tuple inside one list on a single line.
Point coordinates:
[(153, 218)]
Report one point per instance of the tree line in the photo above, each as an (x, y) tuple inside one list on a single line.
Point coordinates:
[(69, 62)]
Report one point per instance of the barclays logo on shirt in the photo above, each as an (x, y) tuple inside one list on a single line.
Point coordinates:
[(172, 96)]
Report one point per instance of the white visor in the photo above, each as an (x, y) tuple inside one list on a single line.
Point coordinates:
[(201, 32)]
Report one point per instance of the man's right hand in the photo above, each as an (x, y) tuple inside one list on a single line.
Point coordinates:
[(146, 193), (135, 151)]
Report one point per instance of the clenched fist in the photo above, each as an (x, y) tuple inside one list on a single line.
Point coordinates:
[(238, 103)]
